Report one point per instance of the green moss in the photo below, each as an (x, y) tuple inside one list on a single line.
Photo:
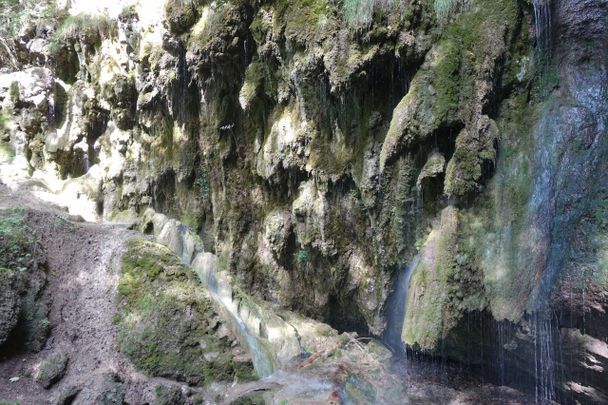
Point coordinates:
[(6, 152), (302, 19), (430, 315), (181, 15), (14, 14), (85, 29), (167, 324), (4, 122), (447, 82), (254, 80), (17, 240), (496, 232), (444, 91)]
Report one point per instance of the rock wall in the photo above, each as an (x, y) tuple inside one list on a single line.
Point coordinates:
[(315, 146)]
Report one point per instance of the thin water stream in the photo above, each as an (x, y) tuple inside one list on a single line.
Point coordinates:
[(542, 25), (398, 307)]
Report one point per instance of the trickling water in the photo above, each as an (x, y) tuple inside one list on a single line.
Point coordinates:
[(542, 25), (544, 356), (51, 111), (262, 360), (502, 339), (398, 307)]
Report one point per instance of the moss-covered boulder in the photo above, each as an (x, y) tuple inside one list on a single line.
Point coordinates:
[(168, 326), (52, 369), (180, 15)]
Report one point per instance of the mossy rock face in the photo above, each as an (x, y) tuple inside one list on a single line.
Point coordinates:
[(168, 326), (10, 303), (23, 311), (452, 90), (180, 15), (428, 317)]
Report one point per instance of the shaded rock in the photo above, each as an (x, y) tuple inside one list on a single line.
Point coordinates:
[(52, 369), (168, 395), (181, 15), (434, 166), (23, 308), (112, 391), (428, 319), (66, 395), (10, 304)]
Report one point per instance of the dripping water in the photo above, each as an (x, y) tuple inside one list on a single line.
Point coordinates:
[(397, 303), (51, 114), (542, 24), (502, 335), (397, 307), (543, 325)]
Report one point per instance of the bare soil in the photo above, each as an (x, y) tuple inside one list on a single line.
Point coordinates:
[(82, 262)]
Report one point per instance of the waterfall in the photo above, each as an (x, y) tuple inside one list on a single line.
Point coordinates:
[(397, 307), (51, 113), (544, 356), (542, 25)]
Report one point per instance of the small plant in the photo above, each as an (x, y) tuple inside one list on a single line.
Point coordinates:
[(11, 14), (302, 256), (14, 13)]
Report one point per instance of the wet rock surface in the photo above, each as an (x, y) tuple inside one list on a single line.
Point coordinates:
[(310, 150)]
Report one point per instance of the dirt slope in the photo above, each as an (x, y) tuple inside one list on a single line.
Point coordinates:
[(82, 262)]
